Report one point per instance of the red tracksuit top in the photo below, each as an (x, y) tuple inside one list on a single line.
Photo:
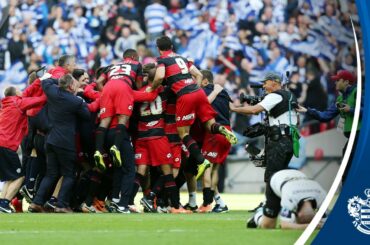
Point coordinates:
[(13, 119)]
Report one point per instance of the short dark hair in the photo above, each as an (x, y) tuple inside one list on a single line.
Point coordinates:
[(129, 53), (32, 76), (207, 74), (164, 43), (65, 81), (65, 59), (99, 71), (10, 91), (149, 69), (77, 73)]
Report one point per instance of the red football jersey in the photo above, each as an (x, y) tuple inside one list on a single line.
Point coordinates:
[(177, 75), (151, 116), (129, 71)]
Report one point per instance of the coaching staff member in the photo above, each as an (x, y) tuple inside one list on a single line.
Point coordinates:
[(279, 147), (13, 127), (64, 108)]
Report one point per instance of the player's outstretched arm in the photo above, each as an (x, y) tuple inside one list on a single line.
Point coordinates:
[(159, 76), (247, 109), (216, 90), (198, 76)]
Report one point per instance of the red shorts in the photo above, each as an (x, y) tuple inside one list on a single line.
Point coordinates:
[(116, 99), (191, 106), (176, 155), (216, 147), (153, 152)]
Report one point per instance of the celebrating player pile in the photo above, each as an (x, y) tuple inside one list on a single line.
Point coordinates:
[(145, 116)]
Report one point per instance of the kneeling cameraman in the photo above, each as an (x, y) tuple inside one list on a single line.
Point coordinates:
[(279, 145)]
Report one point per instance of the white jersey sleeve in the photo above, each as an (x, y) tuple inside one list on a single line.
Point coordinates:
[(270, 101)]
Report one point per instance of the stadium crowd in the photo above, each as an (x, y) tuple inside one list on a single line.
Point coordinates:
[(237, 41)]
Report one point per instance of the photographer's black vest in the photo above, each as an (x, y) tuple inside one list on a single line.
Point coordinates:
[(283, 106)]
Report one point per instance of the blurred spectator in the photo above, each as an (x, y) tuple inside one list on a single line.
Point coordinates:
[(278, 62), (19, 47), (154, 18), (127, 40), (95, 23), (103, 56), (49, 49), (295, 86), (128, 11), (313, 94)]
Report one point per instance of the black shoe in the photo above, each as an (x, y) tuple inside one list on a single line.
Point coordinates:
[(27, 194), (158, 201), (215, 207), (255, 209), (148, 203), (188, 207), (123, 210), (51, 205), (218, 209), (5, 208), (251, 223), (115, 208), (112, 207)]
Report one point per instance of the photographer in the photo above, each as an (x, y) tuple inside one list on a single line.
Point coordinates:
[(345, 84), (279, 144)]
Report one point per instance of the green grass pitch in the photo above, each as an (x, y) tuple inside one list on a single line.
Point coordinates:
[(227, 228)]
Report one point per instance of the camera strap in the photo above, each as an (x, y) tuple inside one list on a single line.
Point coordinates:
[(290, 113), (294, 132)]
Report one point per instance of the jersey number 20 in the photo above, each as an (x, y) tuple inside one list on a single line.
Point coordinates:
[(152, 108)]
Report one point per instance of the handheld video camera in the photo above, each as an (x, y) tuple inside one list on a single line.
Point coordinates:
[(257, 156), (252, 100)]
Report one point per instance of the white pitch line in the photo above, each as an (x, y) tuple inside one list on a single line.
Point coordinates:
[(311, 227)]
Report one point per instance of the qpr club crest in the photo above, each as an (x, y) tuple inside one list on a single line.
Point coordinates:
[(359, 209)]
